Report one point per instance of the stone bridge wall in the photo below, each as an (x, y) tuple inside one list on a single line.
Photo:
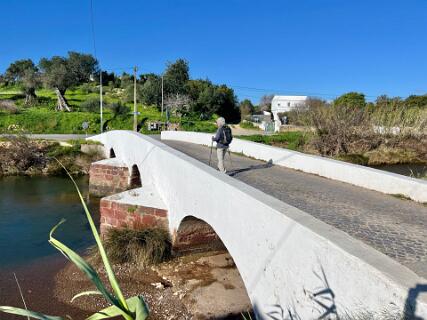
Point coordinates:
[(365, 177), (136, 217), (288, 260), (107, 177)]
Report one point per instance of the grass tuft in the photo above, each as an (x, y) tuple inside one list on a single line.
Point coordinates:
[(140, 247)]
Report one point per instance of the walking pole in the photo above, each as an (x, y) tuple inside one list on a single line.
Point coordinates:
[(210, 154), (229, 155)]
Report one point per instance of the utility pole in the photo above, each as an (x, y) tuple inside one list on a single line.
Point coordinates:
[(162, 95), (100, 97), (135, 110)]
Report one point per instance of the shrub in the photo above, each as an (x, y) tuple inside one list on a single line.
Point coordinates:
[(8, 106), (247, 125), (198, 126), (290, 140), (90, 105), (140, 247), (118, 109)]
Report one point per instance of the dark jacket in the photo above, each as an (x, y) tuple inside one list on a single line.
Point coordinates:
[(219, 139)]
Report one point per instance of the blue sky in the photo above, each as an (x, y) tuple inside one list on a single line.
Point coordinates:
[(315, 47)]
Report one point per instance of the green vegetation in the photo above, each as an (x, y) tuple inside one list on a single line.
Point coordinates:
[(389, 131), (41, 118), (247, 125), (290, 140), (133, 308), (30, 94)]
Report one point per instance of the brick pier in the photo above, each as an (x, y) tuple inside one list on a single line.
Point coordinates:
[(136, 217), (107, 177)]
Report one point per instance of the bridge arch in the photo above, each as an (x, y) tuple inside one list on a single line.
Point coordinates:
[(135, 177), (112, 153), (195, 234)]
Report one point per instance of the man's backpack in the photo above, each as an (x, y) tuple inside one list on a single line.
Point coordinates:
[(227, 136)]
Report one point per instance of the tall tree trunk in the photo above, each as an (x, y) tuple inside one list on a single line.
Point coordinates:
[(30, 96), (62, 104)]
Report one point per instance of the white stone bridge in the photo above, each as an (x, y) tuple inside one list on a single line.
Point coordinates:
[(292, 264)]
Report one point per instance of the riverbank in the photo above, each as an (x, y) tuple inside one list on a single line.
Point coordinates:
[(20, 155), (195, 286)]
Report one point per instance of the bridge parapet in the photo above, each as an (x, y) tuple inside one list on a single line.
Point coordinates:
[(288, 260), (361, 176)]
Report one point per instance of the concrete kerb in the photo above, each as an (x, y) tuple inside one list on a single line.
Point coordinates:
[(365, 177), (378, 273)]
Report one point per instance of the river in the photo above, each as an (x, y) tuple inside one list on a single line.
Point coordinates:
[(30, 207), (410, 170)]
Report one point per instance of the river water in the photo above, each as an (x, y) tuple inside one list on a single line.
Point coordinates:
[(30, 207), (410, 170)]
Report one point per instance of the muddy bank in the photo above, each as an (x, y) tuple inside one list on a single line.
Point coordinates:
[(195, 286), (38, 287), (22, 156)]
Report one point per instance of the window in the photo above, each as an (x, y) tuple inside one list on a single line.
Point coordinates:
[(289, 104)]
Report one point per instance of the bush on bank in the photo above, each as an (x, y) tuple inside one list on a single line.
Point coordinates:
[(138, 247)]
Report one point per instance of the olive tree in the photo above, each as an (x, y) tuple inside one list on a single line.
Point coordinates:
[(61, 73), (25, 73)]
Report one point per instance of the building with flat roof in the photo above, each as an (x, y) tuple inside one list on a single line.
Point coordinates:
[(281, 104)]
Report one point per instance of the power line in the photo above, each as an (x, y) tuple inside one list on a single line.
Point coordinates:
[(291, 92)]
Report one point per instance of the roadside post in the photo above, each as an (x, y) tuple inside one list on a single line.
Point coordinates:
[(85, 126)]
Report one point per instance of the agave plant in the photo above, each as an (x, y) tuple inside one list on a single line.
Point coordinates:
[(134, 308)]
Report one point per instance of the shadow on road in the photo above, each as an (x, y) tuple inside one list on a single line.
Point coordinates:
[(235, 172), (411, 301)]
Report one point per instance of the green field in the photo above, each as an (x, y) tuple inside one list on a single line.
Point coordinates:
[(294, 140), (42, 117)]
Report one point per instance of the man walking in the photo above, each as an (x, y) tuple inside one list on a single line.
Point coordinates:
[(223, 138)]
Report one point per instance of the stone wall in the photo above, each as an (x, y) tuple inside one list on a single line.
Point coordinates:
[(107, 179), (122, 215), (285, 256), (195, 234)]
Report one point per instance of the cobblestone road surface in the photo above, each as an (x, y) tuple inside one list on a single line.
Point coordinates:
[(395, 227)]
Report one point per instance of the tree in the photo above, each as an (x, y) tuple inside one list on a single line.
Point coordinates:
[(414, 101), (176, 76), (61, 73), (209, 99), (30, 81), (265, 102), (178, 104), (246, 108), (25, 73), (351, 99), (17, 69), (227, 104), (151, 90)]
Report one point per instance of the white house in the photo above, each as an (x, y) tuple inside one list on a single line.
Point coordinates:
[(281, 104)]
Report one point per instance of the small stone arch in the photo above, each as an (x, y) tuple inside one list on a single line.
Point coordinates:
[(194, 234), (135, 178), (197, 236), (112, 153)]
